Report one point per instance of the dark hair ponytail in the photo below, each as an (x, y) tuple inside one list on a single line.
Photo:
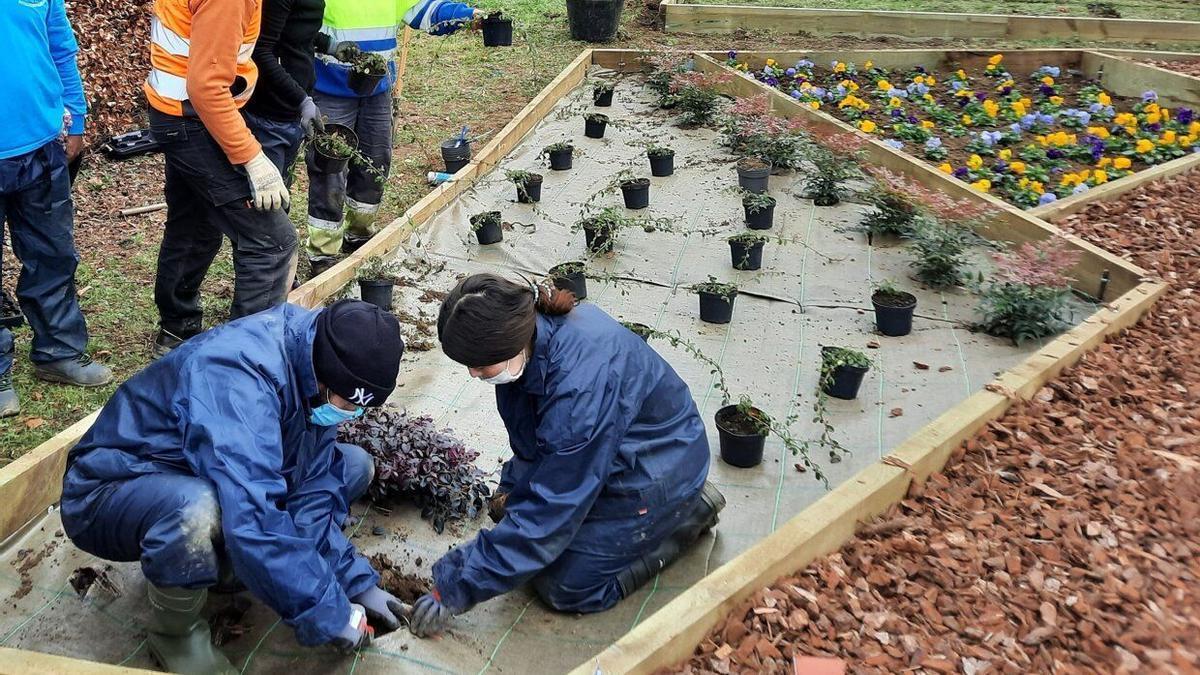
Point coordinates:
[(488, 319)]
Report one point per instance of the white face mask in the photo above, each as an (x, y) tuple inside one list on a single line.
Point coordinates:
[(504, 376)]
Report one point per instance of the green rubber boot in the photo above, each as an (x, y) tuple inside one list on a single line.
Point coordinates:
[(178, 637)]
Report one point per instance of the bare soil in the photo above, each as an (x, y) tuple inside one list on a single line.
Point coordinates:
[(1064, 538), (407, 587)]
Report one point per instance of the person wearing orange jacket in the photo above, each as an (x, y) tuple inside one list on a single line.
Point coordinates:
[(219, 182)]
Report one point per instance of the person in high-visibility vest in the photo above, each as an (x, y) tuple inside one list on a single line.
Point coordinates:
[(362, 26), (219, 182)]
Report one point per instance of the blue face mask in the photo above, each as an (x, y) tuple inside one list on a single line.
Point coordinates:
[(328, 415)]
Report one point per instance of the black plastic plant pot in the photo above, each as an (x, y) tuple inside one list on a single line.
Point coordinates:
[(845, 381), (327, 163), (378, 292), (602, 96), (561, 160), (594, 20), (487, 227), (570, 277), (530, 190), (761, 219), (455, 155), (716, 308), (497, 31), (363, 84), (894, 313), (641, 330), (754, 178), (662, 164), (594, 125), (599, 239), (636, 193), (826, 200), (741, 443), (746, 255)]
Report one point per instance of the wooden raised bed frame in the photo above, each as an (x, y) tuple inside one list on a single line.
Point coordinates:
[(684, 17), (33, 482)]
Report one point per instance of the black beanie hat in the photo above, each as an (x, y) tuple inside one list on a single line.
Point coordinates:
[(356, 352)]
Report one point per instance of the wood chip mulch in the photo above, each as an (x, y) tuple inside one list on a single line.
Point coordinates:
[(114, 59), (1186, 67), (1064, 538)]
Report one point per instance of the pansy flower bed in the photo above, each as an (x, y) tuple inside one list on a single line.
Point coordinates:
[(1029, 139)]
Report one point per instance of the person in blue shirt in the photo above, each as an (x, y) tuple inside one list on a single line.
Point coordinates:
[(43, 109), (218, 462), (607, 483)]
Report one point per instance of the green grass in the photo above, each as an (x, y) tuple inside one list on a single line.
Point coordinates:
[(1183, 10)]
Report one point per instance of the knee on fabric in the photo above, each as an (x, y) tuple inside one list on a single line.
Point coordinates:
[(358, 470), (181, 550), (557, 595)]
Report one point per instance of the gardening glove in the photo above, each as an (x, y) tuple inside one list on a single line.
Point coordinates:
[(267, 187), (323, 43), (356, 634), (383, 608), (310, 117), (429, 615), (344, 51)]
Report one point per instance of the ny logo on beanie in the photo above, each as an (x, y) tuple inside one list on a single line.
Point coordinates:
[(361, 397)]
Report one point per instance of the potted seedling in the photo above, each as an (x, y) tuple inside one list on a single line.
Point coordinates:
[(662, 160), (639, 329), (599, 232), (456, 153), (753, 173), (893, 309), (842, 371), (826, 183), (760, 210), (487, 227), (497, 30), (570, 276), (746, 250), (594, 125), (636, 192), (716, 300), (941, 252), (367, 70), (742, 431), (333, 148), (529, 185), (376, 281), (560, 155), (602, 94)]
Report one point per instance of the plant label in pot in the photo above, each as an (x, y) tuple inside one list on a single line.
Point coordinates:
[(741, 437)]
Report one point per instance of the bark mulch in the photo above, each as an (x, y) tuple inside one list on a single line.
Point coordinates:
[(1186, 67), (1063, 538), (114, 58)]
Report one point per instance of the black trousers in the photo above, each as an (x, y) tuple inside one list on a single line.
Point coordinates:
[(208, 199)]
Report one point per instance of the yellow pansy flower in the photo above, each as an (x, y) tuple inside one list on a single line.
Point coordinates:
[(1126, 119), (1084, 175), (1024, 182), (770, 62), (839, 67), (974, 162), (1048, 81), (1018, 108), (869, 65), (867, 126), (884, 85), (1144, 146), (895, 102), (1194, 128), (961, 74), (815, 105), (1132, 131), (1168, 138), (1056, 100), (1122, 163), (1070, 179), (983, 185), (1006, 154), (928, 98), (966, 119), (1099, 177), (1098, 132), (1187, 141), (990, 107), (805, 86), (927, 124), (1017, 167), (964, 93), (1103, 99), (1027, 102), (1151, 108), (1153, 118), (1037, 187), (994, 60), (946, 168), (920, 79), (929, 80), (1104, 162)]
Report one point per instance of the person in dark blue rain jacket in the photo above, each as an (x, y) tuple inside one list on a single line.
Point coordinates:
[(219, 462), (607, 484)]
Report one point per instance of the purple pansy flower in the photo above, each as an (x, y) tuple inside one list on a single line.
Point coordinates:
[(731, 54), (933, 143), (790, 72), (1043, 118), (894, 144), (962, 173), (795, 93), (981, 96), (1028, 120), (1148, 96), (1046, 90), (1054, 153), (1080, 189), (1184, 115), (1015, 127), (896, 112)]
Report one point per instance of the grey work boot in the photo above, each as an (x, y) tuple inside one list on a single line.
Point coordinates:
[(178, 638), (704, 516), (80, 371), (9, 405)]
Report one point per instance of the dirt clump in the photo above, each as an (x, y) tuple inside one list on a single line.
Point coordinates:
[(84, 578), (26, 560), (406, 587)]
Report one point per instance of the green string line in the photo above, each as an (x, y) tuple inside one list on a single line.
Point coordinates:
[(642, 609), (31, 617), (962, 358), (880, 369), (354, 663), (133, 653), (261, 640), (403, 657), (496, 649)]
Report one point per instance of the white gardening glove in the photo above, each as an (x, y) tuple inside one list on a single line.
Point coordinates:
[(267, 186), (310, 117)]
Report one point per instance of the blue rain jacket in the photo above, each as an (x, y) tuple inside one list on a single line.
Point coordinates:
[(231, 405), (604, 434)]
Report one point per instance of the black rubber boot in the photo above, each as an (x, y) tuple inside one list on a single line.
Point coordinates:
[(318, 264), (167, 340), (178, 638), (704, 515), (352, 242)]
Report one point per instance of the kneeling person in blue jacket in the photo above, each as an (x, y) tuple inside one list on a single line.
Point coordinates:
[(219, 463), (607, 484)]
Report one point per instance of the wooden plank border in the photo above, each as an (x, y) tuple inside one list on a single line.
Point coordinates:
[(25, 662), (33, 482), (725, 19)]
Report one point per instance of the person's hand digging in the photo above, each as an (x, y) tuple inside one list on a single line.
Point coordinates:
[(356, 635), (429, 616), (383, 609)]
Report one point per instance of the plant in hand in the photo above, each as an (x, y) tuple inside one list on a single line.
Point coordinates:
[(941, 252), (1027, 295), (366, 63), (696, 95), (333, 144), (415, 460)]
